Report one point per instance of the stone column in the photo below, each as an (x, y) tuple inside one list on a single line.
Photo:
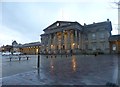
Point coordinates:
[(68, 40), (80, 40), (62, 41), (65, 40), (49, 43), (76, 44), (72, 39), (43, 41), (55, 41)]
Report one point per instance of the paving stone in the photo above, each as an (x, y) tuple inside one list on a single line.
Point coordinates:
[(90, 71)]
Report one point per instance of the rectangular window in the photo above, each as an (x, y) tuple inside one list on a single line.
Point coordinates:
[(103, 46), (93, 36), (102, 35), (94, 46), (86, 47), (86, 37)]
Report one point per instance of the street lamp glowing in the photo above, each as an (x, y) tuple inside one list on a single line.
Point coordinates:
[(51, 45), (73, 44)]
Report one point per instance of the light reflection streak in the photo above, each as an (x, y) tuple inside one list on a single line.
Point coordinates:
[(51, 65), (74, 64)]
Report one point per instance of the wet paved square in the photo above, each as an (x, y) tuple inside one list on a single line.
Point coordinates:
[(62, 70)]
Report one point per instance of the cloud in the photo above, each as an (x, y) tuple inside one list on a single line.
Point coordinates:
[(28, 17), (7, 35), (26, 20), (54, 1)]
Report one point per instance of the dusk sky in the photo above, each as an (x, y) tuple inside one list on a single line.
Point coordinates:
[(25, 21)]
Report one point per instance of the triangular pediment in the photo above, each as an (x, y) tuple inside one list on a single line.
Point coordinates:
[(59, 24)]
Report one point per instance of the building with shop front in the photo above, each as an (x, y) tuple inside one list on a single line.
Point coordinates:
[(71, 37)]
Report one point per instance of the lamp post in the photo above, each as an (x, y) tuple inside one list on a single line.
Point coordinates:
[(38, 63)]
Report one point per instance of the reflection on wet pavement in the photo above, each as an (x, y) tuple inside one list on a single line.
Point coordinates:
[(68, 70), (74, 62)]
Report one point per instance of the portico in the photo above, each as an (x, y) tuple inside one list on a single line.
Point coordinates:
[(61, 40)]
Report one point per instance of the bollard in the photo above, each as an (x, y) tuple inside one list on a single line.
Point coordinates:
[(46, 56), (71, 52), (27, 57), (38, 60), (10, 58), (66, 55), (95, 54), (19, 58)]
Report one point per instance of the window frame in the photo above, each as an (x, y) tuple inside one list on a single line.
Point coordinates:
[(93, 36)]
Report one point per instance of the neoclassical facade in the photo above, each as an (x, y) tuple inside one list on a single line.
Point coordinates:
[(66, 37)]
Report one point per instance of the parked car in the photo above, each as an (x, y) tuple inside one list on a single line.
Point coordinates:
[(17, 53), (6, 53)]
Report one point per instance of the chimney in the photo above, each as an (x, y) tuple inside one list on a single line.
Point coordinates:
[(107, 19), (84, 24)]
